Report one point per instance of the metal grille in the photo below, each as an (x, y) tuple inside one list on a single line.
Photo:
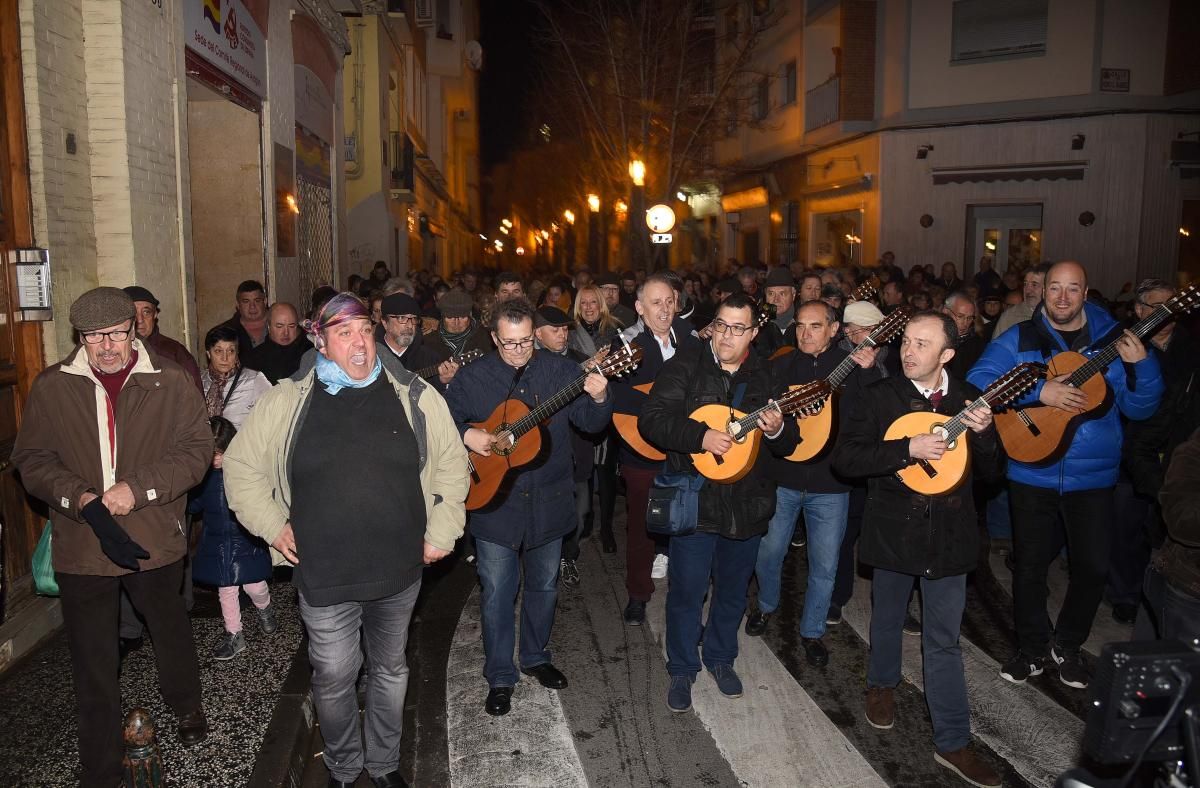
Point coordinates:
[(316, 236)]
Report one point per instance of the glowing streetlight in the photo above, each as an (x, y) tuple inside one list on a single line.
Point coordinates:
[(520, 251), (569, 215), (594, 203), (620, 206), (681, 196), (499, 245), (637, 171), (504, 230), (506, 223), (545, 235)]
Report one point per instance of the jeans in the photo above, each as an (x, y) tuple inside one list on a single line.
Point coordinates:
[(1088, 518), (334, 636), (999, 519), (825, 518), (90, 604), (941, 616), (1166, 613), (499, 574), (697, 559), (843, 587)]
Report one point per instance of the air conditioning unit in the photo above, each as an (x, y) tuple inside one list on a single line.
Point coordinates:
[(423, 13)]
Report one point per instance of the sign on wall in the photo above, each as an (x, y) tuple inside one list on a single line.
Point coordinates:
[(223, 33), (1114, 80)]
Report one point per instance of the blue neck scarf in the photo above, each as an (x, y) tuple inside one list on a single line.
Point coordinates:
[(335, 378)]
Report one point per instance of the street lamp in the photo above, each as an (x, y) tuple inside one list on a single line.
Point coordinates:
[(637, 171), (593, 201), (569, 215), (637, 231)]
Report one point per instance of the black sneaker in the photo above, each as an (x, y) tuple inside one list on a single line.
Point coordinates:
[(912, 625), (1021, 667), (1071, 670), (568, 572), (756, 623), (834, 616), (635, 613)]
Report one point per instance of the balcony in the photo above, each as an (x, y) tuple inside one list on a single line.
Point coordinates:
[(821, 104)]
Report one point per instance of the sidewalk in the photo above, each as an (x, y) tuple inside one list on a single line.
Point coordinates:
[(37, 702)]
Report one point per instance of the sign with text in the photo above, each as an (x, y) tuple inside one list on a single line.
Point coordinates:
[(660, 238), (1114, 80), (223, 33)]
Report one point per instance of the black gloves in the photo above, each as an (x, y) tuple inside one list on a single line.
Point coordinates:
[(115, 543)]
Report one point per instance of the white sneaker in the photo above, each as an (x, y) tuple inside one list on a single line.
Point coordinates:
[(659, 571)]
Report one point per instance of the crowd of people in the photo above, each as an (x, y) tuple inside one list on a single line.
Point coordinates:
[(383, 394)]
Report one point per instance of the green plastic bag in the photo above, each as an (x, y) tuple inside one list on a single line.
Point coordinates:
[(43, 564)]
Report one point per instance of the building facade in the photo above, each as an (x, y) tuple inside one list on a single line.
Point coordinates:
[(940, 131)]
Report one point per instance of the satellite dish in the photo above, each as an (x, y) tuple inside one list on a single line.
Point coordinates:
[(474, 55)]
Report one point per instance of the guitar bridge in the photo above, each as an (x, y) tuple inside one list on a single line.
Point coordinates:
[(1028, 422), (929, 469)]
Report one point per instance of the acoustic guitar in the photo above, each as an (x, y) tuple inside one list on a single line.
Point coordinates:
[(462, 359), (816, 429), (1040, 433), (940, 476), (743, 428), (516, 429), (627, 428), (861, 293)]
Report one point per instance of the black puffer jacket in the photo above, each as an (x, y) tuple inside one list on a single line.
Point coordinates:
[(693, 378), (902, 531)]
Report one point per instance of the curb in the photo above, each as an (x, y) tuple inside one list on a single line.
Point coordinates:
[(286, 747)]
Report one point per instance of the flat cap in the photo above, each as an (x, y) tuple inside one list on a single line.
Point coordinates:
[(862, 313), (101, 307), (456, 303), (779, 277), (550, 316), (140, 294), (606, 279), (399, 304)]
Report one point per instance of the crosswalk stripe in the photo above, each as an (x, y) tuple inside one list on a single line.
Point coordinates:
[(530, 746), (775, 734), (1104, 628), (1038, 737)]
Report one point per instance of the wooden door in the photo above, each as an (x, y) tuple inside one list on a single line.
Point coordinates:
[(20, 343)]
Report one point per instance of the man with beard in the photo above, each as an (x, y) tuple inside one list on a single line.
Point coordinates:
[(610, 286), (460, 331), (279, 357), (402, 337)]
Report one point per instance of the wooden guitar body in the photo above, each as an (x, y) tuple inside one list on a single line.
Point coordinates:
[(627, 428), (931, 477), (1039, 433), (783, 351), (736, 462), (489, 472), (816, 430)]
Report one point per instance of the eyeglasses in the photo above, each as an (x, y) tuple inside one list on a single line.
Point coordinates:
[(720, 327), (96, 337), (515, 344), (404, 320), (1155, 305)]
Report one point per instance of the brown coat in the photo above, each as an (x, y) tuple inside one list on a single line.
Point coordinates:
[(163, 448)]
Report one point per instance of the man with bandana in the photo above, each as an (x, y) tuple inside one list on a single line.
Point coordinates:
[(355, 426)]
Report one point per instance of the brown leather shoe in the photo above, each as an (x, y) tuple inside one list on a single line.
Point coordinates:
[(193, 728), (881, 707), (968, 764)]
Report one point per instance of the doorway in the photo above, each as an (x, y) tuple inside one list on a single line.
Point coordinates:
[(1009, 235)]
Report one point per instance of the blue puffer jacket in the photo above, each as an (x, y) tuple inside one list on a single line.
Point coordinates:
[(1092, 459), (228, 555), (536, 503)]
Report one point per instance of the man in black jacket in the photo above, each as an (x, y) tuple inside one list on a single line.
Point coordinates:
[(280, 355), (402, 337), (780, 290), (907, 535), (732, 517), (811, 487)]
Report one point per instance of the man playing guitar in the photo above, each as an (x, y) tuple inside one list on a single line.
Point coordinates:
[(1079, 485), (523, 533), (932, 538), (810, 487)]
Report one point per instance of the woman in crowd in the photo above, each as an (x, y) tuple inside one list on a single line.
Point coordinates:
[(594, 326), (230, 390)]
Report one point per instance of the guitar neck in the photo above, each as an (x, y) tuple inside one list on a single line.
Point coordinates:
[(847, 365), (548, 408), (1144, 328), (998, 394)]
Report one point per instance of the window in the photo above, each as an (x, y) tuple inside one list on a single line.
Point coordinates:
[(987, 29), (762, 100), (789, 83)]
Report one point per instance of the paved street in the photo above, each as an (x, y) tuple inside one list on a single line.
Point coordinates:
[(795, 726)]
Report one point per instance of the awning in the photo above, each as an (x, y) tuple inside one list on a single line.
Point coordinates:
[(1044, 171), (829, 188)]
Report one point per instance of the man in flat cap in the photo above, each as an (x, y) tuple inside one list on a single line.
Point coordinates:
[(145, 313), (780, 292), (401, 320), (460, 332), (610, 285), (112, 439)]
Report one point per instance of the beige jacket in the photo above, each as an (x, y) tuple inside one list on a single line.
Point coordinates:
[(257, 462)]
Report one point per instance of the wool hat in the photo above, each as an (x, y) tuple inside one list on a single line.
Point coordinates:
[(862, 313), (101, 307), (779, 277), (141, 294), (456, 303), (730, 285), (550, 316), (831, 291), (399, 304), (606, 279)]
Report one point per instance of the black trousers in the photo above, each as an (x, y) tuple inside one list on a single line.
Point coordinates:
[(606, 481), (843, 586), (1087, 516), (90, 604)]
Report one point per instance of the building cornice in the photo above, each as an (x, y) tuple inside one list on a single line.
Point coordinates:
[(330, 21)]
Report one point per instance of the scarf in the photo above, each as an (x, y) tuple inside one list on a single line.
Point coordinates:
[(335, 378), (457, 342), (213, 398)]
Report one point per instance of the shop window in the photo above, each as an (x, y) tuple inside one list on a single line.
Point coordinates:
[(986, 29), (836, 239)]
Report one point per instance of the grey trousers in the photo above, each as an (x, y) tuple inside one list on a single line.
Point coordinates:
[(335, 633)]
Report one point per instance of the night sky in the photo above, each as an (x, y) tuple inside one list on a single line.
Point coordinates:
[(508, 76)]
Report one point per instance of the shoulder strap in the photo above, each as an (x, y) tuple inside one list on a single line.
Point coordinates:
[(232, 385)]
